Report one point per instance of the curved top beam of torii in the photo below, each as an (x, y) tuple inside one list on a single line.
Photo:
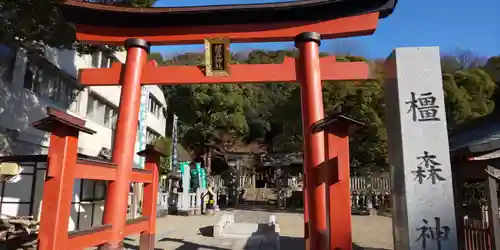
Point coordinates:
[(86, 12), (112, 25)]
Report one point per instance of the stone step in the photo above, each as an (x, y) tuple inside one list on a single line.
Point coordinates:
[(248, 228), (259, 193), (255, 234)]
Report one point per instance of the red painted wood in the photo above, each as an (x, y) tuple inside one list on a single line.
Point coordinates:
[(314, 143), (141, 176), (136, 226), (115, 212), (92, 171), (477, 235), (339, 195), (273, 32), (58, 190), (150, 199), (51, 112), (96, 237), (240, 73)]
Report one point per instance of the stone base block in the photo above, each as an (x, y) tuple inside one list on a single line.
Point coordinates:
[(226, 219), (254, 234)]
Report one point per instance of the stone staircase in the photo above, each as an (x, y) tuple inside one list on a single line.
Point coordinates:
[(259, 194)]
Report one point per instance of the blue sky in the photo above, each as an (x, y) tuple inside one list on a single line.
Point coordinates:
[(451, 24)]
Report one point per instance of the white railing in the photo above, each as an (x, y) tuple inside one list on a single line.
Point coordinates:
[(162, 203), (379, 184), (188, 201), (192, 201), (130, 207)]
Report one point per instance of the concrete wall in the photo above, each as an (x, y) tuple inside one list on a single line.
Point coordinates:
[(155, 124), (20, 107)]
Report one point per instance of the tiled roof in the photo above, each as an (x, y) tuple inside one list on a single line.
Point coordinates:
[(482, 134)]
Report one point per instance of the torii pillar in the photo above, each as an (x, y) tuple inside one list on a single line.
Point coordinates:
[(124, 139), (311, 92), (337, 128)]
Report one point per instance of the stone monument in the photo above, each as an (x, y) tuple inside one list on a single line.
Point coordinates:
[(423, 205)]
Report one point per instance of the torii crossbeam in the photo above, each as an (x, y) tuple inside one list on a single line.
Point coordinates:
[(331, 70)]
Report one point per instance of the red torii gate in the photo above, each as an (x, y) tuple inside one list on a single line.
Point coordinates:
[(328, 19), (306, 70)]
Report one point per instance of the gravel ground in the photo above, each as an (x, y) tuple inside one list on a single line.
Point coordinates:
[(193, 232), (372, 232)]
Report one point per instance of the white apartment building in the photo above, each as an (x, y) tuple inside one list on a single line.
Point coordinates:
[(30, 82)]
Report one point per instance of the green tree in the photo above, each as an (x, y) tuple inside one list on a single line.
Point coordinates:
[(467, 95), (263, 99), (449, 64), (158, 57), (190, 58), (40, 22), (164, 145), (211, 117), (492, 66), (363, 101), (259, 102)]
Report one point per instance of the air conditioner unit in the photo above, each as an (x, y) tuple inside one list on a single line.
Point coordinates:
[(9, 170)]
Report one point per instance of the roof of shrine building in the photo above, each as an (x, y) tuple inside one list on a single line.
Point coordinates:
[(480, 136), (79, 12)]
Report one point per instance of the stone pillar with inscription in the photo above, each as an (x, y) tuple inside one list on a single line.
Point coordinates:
[(422, 191)]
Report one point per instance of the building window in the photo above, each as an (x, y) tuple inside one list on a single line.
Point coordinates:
[(151, 136), (164, 120), (105, 60), (101, 112), (102, 59), (93, 190), (7, 62), (90, 106), (95, 59), (29, 76), (51, 83), (156, 108)]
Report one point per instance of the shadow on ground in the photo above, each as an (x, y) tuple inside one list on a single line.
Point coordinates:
[(286, 243), (207, 231), (292, 243), (295, 243), (190, 245), (134, 247), (264, 206), (356, 247), (186, 245)]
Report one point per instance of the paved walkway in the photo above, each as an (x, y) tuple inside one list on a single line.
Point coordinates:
[(194, 232)]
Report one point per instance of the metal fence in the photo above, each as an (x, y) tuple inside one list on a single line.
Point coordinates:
[(477, 235), (377, 184)]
